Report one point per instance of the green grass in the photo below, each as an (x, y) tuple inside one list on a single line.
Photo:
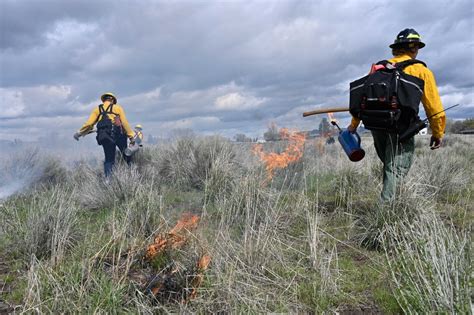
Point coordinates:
[(284, 246)]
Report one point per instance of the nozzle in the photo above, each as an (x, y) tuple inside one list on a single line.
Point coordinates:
[(334, 123)]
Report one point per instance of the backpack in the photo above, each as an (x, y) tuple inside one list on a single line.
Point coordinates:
[(387, 99), (105, 134)]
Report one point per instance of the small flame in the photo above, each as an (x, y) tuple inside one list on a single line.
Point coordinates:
[(202, 265), (292, 153), (188, 221), (331, 117), (204, 262), (175, 238)]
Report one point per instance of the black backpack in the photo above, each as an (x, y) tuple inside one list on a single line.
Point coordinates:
[(105, 126), (387, 99)]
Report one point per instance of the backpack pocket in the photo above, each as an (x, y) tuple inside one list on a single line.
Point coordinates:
[(104, 131), (386, 120), (104, 138)]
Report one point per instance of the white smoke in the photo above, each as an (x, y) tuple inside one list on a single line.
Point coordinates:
[(6, 190), (19, 170)]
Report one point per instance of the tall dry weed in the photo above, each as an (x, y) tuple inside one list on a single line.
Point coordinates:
[(43, 225), (430, 264), (95, 192), (440, 174), (260, 232), (189, 161)]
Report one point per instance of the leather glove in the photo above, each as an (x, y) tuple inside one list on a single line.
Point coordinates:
[(435, 143), (77, 135)]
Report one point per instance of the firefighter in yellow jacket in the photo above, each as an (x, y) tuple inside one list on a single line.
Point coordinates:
[(397, 158), (113, 129), (139, 135)]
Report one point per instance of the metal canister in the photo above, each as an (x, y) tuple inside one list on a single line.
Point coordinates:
[(350, 142), (131, 150)]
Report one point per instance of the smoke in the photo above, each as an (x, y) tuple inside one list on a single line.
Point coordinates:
[(6, 190), (19, 170)]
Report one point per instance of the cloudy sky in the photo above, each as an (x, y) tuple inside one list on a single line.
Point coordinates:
[(221, 67)]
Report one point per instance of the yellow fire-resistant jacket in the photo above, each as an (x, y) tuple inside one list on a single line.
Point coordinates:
[(430, 99), (117, 110)]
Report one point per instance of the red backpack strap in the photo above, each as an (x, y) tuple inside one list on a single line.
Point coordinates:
[(382, 64), (376, 67)]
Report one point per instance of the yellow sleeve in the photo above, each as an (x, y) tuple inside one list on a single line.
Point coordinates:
[(355, 122), (432, 104), (89, 125), (125, 124)]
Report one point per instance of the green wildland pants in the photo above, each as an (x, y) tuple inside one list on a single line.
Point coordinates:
[(396, 158)]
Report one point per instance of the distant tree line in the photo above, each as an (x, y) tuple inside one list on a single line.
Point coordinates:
[(240, 137), (459, 126), (272, 133)]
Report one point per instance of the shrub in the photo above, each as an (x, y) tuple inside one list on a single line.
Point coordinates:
[(188, 162), (54, 173), (440, 175), (95, 192), (44, 224)]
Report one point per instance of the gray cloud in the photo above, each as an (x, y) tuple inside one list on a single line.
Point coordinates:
[(213, 66)]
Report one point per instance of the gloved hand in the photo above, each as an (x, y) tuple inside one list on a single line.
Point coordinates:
[(132, 141), (77, 135), (435, 143)]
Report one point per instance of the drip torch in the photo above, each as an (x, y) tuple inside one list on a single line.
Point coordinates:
[(350, 142)]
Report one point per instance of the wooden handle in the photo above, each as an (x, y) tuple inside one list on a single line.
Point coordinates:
[(326, 110)]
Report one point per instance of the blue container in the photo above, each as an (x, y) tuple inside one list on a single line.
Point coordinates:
[(351, 144)]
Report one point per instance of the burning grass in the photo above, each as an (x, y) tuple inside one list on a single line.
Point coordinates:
[(168, 273), (292, 153), (249, 244)]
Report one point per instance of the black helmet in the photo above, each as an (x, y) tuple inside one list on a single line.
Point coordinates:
[(408, 38)]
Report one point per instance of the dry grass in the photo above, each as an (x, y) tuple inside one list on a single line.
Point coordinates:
[(430, 264), (44, 226), (276, 246)]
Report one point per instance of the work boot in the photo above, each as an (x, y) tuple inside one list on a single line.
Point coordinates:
[(108, 166)]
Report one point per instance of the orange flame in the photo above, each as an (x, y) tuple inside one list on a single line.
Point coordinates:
[(202, 265), (204, 262), (175, 238), (292, 153), (188, 221)]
